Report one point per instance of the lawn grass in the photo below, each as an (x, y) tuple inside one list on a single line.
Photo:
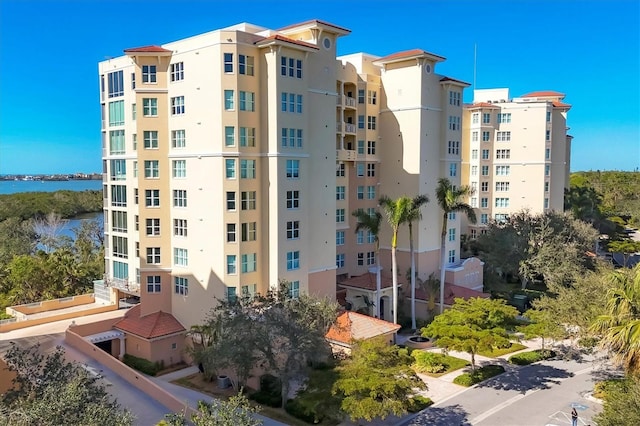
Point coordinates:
[(478, 375), (526, 358), (496, 352), (451, 363)]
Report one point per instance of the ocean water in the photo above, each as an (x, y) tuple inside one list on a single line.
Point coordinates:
[(13, 186)]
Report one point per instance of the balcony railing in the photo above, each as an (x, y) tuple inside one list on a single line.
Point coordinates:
[(349, 128), (123, 284), (346, 155), (346, 101)]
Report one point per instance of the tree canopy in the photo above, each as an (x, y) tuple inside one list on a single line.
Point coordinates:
[(237, 411)]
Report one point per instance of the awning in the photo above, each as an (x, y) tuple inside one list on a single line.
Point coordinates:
[(104, 336)]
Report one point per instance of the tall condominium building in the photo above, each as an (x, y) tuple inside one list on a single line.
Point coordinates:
[(516, 153), (234, 160)]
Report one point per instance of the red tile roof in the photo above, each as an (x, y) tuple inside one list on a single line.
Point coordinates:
[(408, 54), (544, 94), (452, 291), (351, 326), (559, 104), (150, 326), (279, 37), (482, 105), (366, 282), (455, 80), (311, 22), (147, 49)]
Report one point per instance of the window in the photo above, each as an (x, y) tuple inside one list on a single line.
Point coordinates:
[(119, 247), (360, 147), (248, 200), (474, 154), (118, 169), (359, 169), (116, 142), (181, 285), (454, 123), (371, 147), (232, 264), (231, 200), (149, 74), (151, 169), (293, 230), (116, 84), (474, 201), (133, 81), (486, 136), (137, 221), (502, 202), (116, 113), (486, 118), (150, 139), (474, 186), (547, 153), (119, 221), (153, 226), (231, 232), (291, 102), (340, 260), (371, 170), (547, 170), (293, 169), (248, 231), (229, 136), (249, 290), (484, 202), (291, 138), (501, 217), (360, 96), (230, 294), (371, 258), (152, 197), (247, 101), (119, 197), (371, 97), (293, 260), (177, 71), (180, 227), (548, 135), (475, 117), (178, 139), (502, 186), (228, 100), (340, 170), (339, 215), (180, 257), (452, 256), (484, 218), (485, 171), (485, 154), (371, 192), (454, 98), (360, 259), (154, 284), (452, 234), (474, 170), (484, 186), (546, 203), (133, 112), (360, 237), (179, 198), (371, 122), (153, 255), (293, 199), (503, 170), (546, 188), (502, 154), (504, 118), (371, 237), (290, 67), (474, 136), (249, 263), (474, 233), (245, 65), (452, 216), (247, 136), (149, 107), (339, 238), (453, 169), (177, 105), (503, 136), (548, 116), (340, 192), (120, 270), (360, 192), (230, 168), (453, 147), (361, 122), (228, 62), (294, 289), (247, 169)]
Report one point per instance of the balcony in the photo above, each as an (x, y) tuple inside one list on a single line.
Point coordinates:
[(346, 155), (129, 287), (346, 101)]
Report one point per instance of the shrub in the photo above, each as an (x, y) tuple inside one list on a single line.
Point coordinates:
[(429, 362), (479, 375), (299, 411), (526, 358), (265, 398), (143, 365), (601, 389), (418, 403), (588, 342), (270, 391)]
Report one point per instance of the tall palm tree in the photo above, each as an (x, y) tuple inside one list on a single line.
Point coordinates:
[(396, 212), (450, 199), (414, 214), (372, 224), (620, 327)]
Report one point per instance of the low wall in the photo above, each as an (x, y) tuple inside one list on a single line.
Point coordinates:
[(10, 326), (52, 305), (137, 379)]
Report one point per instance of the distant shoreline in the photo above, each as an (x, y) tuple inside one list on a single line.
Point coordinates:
[(52, 177)]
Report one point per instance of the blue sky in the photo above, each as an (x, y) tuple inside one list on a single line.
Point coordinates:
[(590, 50)]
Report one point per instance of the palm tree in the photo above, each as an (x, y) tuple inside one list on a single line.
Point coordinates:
[(372, 224), (620, 327), (450, 201), (396, 212), (414, 214)]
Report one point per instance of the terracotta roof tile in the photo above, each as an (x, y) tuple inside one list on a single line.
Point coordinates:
[(559, 104), (544, 94), (352, 325), (366, 281), (409, 54), (147, 49), (452, 291), (150, 326), (278, 37), (455, 80), (482, 105), (313, 21)]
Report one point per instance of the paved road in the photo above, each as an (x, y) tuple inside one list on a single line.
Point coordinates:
[(537, 395)]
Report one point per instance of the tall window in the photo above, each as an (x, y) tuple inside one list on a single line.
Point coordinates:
[(181, 286), (293, 230), (178, 139), (485, 171), (229, 100), (340, 260), (249, 231), (453, 169), (245, 64), (231, 200), (180, 227), (249, 263), (229, 136), (232, 261), (485, 154), (120, 247), (339, 238), (452, 256), (247, 169), (293, 169), (231, 232), (119, 195), (371, 122), (360, 96), (293, 260), (151, 169), (228, 62), (116, 84), (475, 117), (340, 192), (339, 215), (247, 101), (179, 198), (180, 257), (149, 107), (371, 170), (486, 118), (116, 113), (371, 147), (179, 168), (119, 221), (372, 97), (177, 71), (150, 139), (371, 192), (116, 142), (230, 168), (248, 200), (294, 289), (293, 199), (452, 234), (149, 74), (177, 105), (153, 227), (247, 136), (360, 192), (152, 197), (486, 136), (118, 169)]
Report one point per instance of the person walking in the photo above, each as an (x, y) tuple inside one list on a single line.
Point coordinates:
[(574, 417)]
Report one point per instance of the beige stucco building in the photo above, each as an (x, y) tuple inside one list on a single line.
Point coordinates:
[(516, 153)]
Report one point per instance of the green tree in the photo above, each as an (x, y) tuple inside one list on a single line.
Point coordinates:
[(541, 324), (377, 381), (621, 404), (48, 390), (237, 411), (414, 215), (450, 199), (620, 326), (473, 325), (365, 221), (396, 212), (431, 288)]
